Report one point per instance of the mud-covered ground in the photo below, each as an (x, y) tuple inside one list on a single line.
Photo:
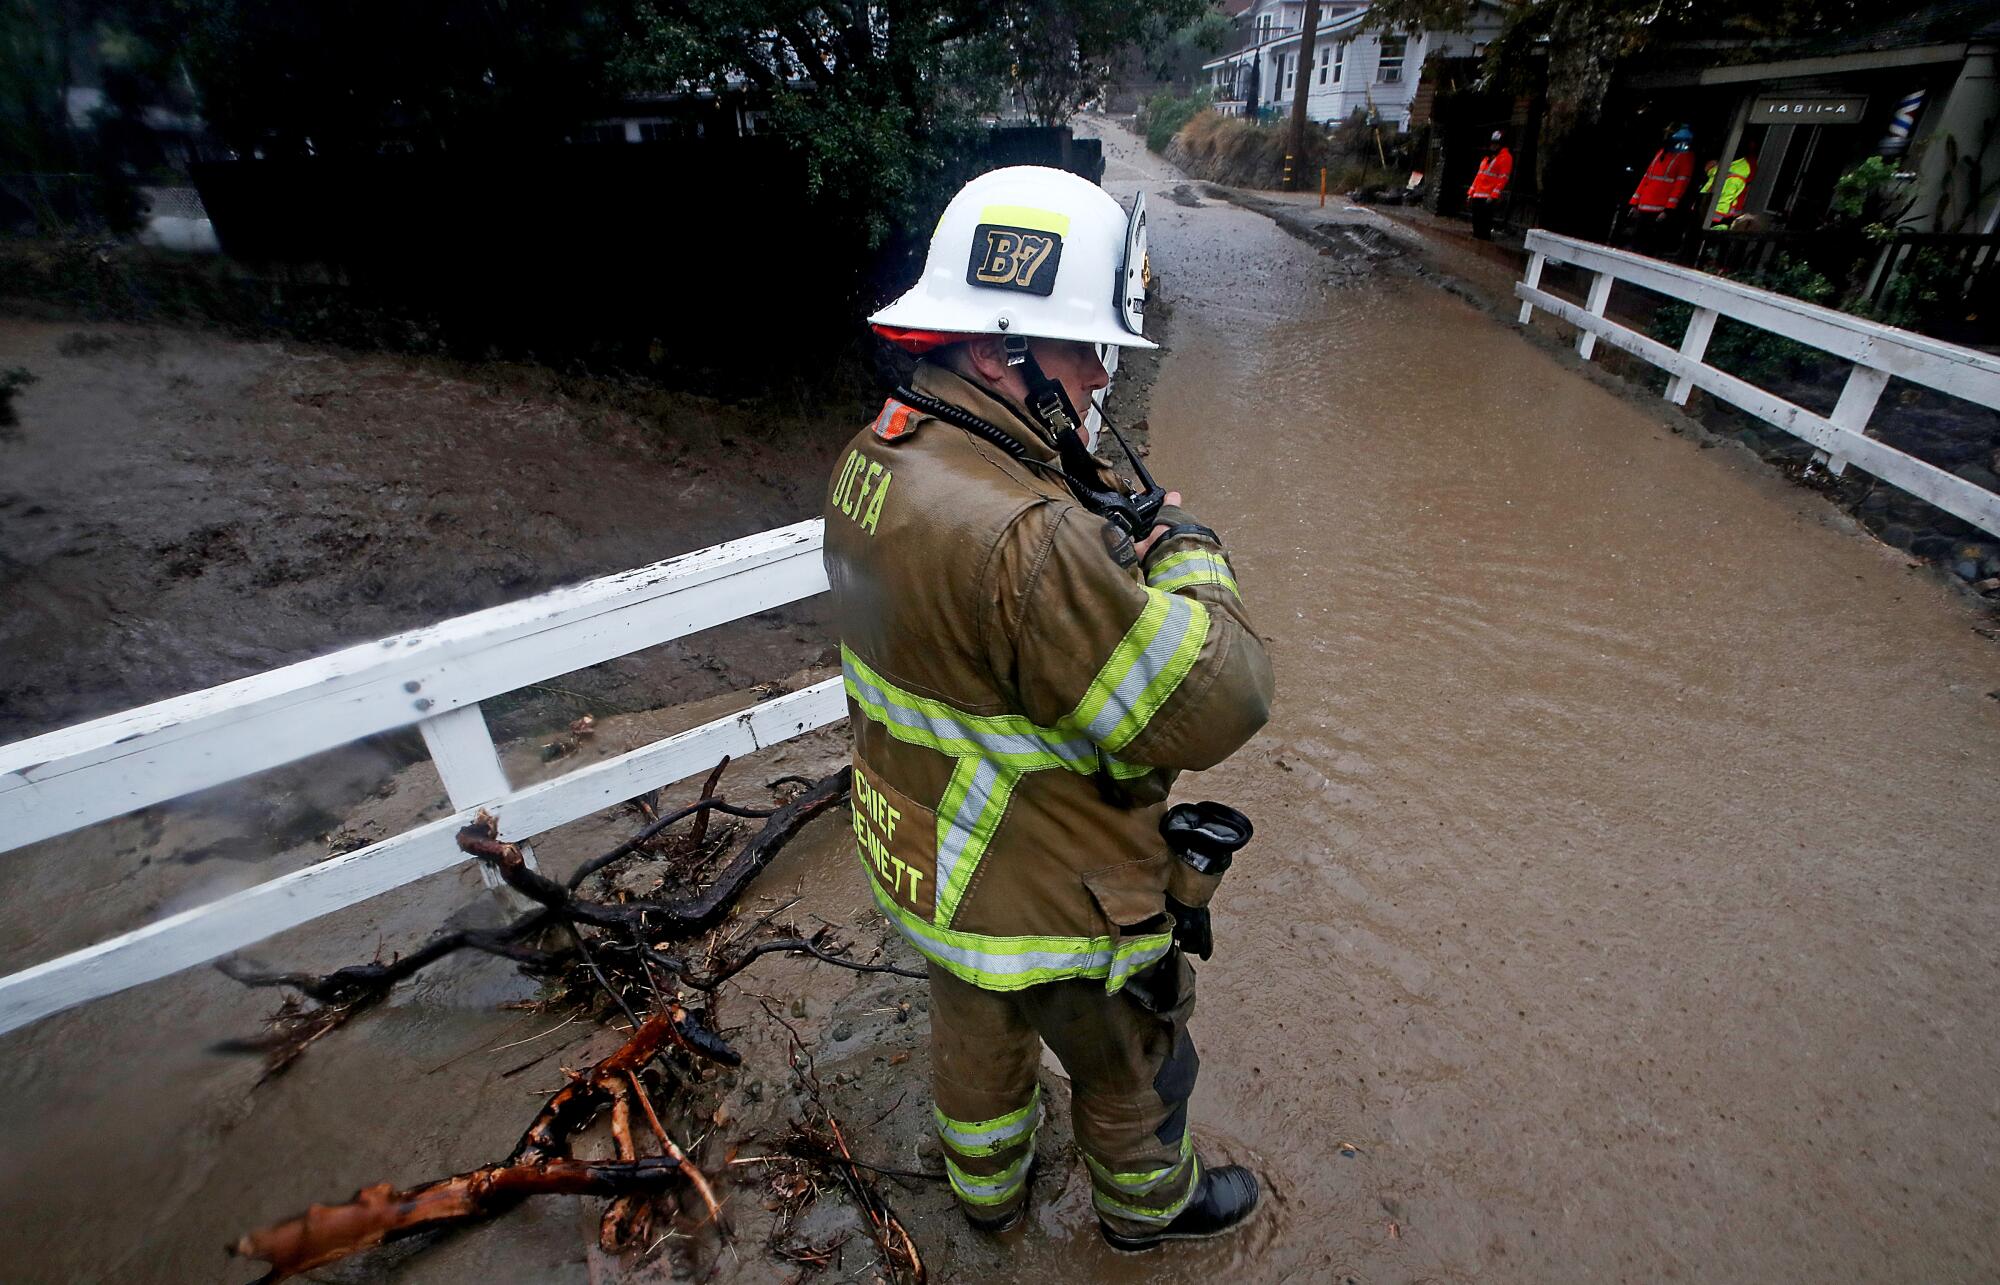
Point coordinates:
[(178, 509)]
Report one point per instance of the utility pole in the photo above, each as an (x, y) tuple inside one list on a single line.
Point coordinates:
[(1295, 133)]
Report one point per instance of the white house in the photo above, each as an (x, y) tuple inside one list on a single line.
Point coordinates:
[(1371, 70)]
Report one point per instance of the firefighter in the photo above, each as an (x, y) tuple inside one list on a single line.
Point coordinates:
[(1489, 185), (1026, 675)]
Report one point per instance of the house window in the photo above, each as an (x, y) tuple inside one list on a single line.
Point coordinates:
[(1339, 57), (1263, 28), (1324, 52), (1291, 70), (1390, 70)]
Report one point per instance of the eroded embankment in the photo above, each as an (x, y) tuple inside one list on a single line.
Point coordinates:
[(178, 509)]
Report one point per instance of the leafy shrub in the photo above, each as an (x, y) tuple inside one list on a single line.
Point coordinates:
[(1163, 116), (1871, 197), (1748, 351)]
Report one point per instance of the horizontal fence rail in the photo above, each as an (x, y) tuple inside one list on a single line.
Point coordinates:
[(433, 677), (1878, 352), (71, 778)]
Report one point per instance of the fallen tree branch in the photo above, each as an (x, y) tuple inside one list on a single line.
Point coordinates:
[(692, 915), (359, 982), (538, 1165), (347, 991), (326, 1233), (701, 808), (775, 946), (696, 1179), (577, 1103)]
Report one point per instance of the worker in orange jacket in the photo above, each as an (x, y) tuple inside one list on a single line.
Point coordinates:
[(1661, 188), (1488, 186)]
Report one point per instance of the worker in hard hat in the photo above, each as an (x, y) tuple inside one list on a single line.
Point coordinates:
[(1489, 185), (1660, 189), (1032, 653)]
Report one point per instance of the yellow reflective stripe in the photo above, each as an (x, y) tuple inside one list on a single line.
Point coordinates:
[(967, 818), (1122, 771), (984, 1137), (994, 1189), (1192, 567), (1138, 1184), (1016, 963), (1162, 1214), (1199, 556), (1142, 672), (1007, 739), (1026, 216), (1135, 955)]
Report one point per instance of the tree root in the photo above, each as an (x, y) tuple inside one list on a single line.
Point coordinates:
[(378, 1214), (347, 991), (626, 948), (539, 1165)]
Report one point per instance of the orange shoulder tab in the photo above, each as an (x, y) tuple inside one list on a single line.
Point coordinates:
[(896, 420)]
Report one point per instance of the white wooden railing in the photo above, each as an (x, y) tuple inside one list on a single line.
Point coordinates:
[(1877, 351), (433, 677)]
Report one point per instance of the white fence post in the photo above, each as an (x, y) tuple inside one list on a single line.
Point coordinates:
[(1600, 294), (1533, 280), (462, 751), (1857, 402), (1694, 346)]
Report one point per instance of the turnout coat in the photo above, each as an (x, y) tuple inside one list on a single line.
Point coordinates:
[(1023, 689)]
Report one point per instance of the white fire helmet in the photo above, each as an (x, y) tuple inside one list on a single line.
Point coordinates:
[(1033, 251)]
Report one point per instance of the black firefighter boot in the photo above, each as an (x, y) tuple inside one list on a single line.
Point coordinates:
[(1226, 1197)]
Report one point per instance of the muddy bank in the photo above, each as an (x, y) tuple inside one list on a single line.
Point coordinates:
[(178, 509)]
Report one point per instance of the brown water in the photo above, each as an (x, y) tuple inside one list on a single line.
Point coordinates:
[(1624, 889), (1623, 897)]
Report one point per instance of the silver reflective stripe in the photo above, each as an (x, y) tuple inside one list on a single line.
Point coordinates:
[(1206, 563), (1146, 666), (1124, 966), (990, 1190), (972, 1139), (959, 827), (1080, 754), (999, 964)]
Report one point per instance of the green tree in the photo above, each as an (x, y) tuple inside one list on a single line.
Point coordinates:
[(1061, 50), (872, 94)]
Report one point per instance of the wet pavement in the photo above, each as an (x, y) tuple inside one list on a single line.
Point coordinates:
[(1622, 903), (1624, 888)]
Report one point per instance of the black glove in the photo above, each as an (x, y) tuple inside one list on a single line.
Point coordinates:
[(1191, 929)]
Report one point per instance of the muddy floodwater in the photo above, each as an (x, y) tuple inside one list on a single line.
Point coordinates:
[(1626, 876), (1623, 904)]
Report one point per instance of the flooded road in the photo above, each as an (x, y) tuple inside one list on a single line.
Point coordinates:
[(1622, 906), (1624, 888)]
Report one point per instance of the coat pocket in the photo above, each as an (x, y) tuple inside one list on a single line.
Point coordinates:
[(1132, 898)]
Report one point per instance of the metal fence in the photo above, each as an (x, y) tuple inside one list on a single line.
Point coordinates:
[(433, 678), (1878, 352)]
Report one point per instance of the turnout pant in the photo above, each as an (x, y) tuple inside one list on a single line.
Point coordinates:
[(1131, 1066)]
